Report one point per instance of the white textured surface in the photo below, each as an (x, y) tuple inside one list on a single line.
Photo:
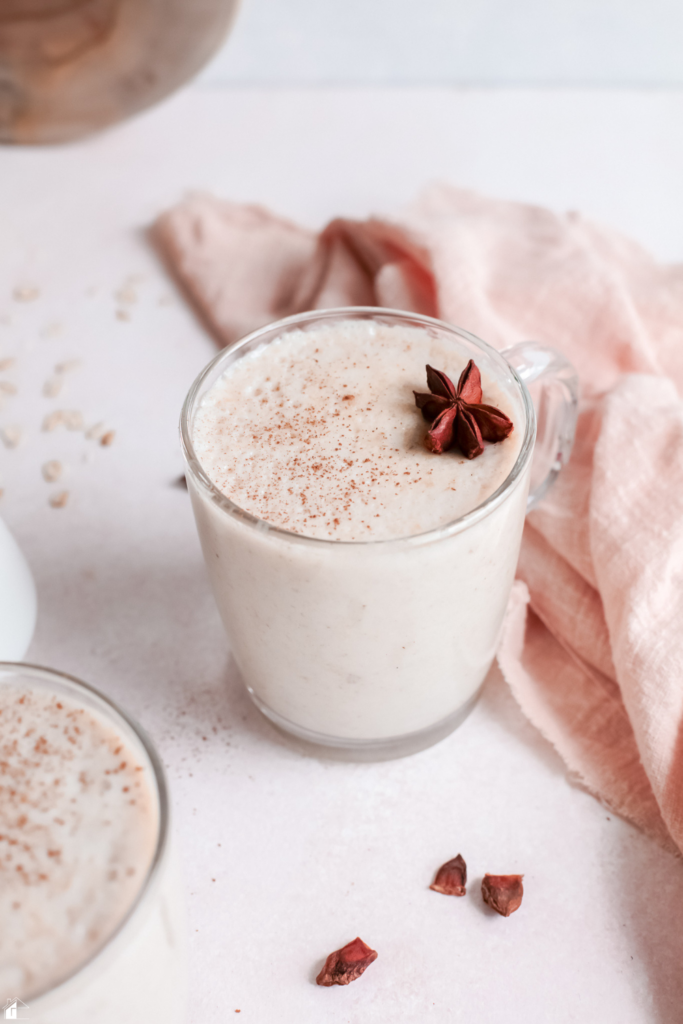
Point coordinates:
[(480, 42), (287, 858)]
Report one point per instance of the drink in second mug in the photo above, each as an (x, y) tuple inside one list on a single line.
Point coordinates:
[(91, 903), (361, 576)]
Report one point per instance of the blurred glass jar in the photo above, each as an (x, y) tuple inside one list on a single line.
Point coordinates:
[(69, 67)]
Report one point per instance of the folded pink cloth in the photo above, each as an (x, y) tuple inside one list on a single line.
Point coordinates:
[(593, 641)]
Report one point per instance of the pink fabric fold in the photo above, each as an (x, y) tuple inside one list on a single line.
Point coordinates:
[(593, 641)]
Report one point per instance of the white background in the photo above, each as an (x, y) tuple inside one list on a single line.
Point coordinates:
[(286, 857), (315, 109), (464, 42)]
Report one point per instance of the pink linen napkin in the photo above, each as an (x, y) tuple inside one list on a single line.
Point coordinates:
[(593, 641)]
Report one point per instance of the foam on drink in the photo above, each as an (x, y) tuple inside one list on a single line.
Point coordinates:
[(318, 433)]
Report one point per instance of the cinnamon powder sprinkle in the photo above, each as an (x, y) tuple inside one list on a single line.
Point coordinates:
[(316, 433)]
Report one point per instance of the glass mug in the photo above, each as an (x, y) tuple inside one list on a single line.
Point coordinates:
[(140, 972), (377, 649)]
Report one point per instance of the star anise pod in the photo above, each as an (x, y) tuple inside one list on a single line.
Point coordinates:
[(503, 893), (346, 964), (451, 878), (457, 414)]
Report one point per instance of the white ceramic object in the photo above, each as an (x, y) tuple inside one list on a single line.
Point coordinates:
[(18, 605)]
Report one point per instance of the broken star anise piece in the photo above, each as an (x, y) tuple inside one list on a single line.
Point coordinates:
[(451, 878), (457, 414), (503, 893), (346, 964)]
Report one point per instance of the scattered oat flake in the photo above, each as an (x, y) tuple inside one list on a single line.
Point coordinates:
[(73, 419), (108, 438), (95, 432), (126, 295), (11, 436), (51, 330), (7, 387), (68, 365), (6, 364), (53, 420), (122, 314), (26, 293), (346, 964), (52, 386), (60, 499), (52, 470)]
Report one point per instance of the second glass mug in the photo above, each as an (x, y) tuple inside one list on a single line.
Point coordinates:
[(377, 649), (140, 971)]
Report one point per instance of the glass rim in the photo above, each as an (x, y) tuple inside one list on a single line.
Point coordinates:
[(110, 708), (202, 481)]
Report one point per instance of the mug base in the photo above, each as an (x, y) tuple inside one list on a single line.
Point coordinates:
[(339, 748)]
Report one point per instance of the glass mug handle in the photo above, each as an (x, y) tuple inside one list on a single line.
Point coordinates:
[(554, 387)]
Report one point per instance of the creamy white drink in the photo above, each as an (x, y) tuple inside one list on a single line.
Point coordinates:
[(367, 614), (79, 835)]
